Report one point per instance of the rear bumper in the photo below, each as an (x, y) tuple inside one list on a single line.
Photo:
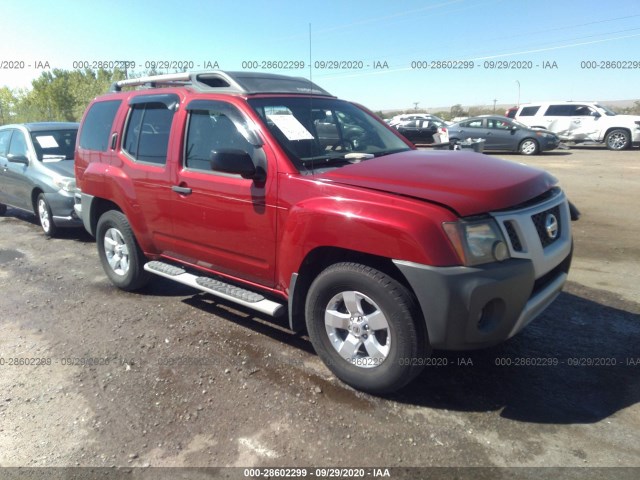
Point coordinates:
[(467, 308)]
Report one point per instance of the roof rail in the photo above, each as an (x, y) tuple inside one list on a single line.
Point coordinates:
[(227, 82)]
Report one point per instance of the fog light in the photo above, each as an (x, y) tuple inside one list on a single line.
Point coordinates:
[(500, 251), (491, 315)]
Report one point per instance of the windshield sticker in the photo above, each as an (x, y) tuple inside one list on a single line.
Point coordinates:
[(47, 141), (291, 127)]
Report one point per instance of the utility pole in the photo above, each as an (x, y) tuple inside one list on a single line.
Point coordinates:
[(415, 106), (518, 82), (494, 104)]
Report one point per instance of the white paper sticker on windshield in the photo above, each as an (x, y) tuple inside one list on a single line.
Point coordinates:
[(291, 127), (47, 141)]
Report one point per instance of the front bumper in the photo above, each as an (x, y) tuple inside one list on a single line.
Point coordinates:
[(62, 210), (476, 307)]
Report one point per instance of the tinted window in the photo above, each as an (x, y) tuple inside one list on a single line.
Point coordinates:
[(219, 127), (529, 111), (5, 136), (498, 124), (97, 125), (146, 136), (560, 111), (472, 124)]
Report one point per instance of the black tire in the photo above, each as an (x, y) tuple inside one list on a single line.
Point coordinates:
[(3, 209), (529, 146), (453, 143), (121, 258), (618, 139), (45, 217), (379, 299)]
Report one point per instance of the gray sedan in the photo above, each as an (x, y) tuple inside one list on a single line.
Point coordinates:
[(37, 174), (502, 133)]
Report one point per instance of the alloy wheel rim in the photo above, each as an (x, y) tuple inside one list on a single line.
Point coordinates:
[(116, 251), (43, 214), (357, 329)]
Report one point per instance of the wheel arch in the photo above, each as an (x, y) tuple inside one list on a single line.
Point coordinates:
[(35, 193), (318, 260), (611, 129), (99, 206)]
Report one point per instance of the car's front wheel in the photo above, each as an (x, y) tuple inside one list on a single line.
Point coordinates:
[(366, 327), (45, 216), (120, 255), (618, 139), (529, 147)]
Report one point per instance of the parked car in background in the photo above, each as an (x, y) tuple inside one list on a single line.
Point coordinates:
[(406, 117), (37, 172), (502, 133), (421, 131), (583, 122), (511, 112)]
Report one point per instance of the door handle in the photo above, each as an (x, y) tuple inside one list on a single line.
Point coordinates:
[(181, 190)]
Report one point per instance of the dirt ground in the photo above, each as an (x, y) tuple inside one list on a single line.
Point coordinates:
[(169, 377)]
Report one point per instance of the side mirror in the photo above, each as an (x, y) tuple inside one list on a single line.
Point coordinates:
[(237, 162), (18, 159), (595, 114)]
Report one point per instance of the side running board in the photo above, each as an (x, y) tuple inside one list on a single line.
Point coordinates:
[(235, 294)]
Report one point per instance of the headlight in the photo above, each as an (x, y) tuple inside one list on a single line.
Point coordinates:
[(545, 135), (477, 242), (65, 183)]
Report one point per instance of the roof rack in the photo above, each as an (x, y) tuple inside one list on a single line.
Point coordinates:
[(247, 83)]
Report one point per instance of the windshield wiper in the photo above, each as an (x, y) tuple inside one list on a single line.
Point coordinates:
[(389, 152), (323, 160)]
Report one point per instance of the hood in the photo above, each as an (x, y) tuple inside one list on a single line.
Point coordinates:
[(468, 183), (63, 168), (621, 118)]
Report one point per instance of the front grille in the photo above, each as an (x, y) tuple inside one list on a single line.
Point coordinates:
[(513, 236), (540, 222)]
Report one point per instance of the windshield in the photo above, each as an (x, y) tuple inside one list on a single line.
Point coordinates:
[(54, 145), (607, 111), (325, 132)]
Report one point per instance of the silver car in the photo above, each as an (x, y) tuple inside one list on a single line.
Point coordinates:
[(37, 174)]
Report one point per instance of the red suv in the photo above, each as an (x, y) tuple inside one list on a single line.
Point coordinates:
[(267, 191)]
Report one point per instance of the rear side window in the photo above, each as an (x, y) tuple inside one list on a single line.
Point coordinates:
[(97, 125), (560, 111), (147, 133), (529, 111)]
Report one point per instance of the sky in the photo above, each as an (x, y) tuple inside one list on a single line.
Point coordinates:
[(381, 53)]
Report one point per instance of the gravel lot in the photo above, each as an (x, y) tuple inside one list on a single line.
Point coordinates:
[(182, 380)]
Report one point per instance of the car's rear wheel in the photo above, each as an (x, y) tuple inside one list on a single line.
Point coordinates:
[(529, 147), (618, 139), (45, 216), (120, 255), (365, 326)]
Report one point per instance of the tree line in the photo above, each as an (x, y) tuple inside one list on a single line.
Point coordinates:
[(63, 95), (56, 95)]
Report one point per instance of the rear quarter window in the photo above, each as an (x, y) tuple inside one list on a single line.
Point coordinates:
[(97, 125)]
